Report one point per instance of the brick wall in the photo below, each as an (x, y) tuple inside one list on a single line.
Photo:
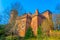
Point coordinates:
[(33, 21)]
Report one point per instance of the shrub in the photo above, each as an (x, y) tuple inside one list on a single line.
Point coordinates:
[(29, 33), (1, 31), (12, 37), (39, 36), (2, 37)]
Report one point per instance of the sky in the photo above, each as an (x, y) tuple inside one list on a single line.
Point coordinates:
[(31, 5)]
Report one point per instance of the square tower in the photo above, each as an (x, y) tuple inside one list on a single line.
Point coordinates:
[(34, 22)]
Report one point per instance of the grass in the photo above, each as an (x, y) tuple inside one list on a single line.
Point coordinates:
[(45, 38), (55, 37)]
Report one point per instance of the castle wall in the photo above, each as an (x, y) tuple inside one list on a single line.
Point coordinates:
[(22, 27), (34, 24), (28, 22), (39, 20), (32, 21)]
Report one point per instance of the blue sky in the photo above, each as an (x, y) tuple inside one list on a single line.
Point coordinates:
[(31, 5)]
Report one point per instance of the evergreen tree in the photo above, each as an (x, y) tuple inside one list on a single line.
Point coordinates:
[(39, 36), (29, 33)]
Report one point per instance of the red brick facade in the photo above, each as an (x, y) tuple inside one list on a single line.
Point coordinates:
[(29, 20)]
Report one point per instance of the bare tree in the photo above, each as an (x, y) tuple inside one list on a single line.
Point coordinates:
[(17, 6), (11, 27), (56, 20), (6, 15), (57, 17)]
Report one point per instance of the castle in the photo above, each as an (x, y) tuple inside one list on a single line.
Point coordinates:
[(29, 20)]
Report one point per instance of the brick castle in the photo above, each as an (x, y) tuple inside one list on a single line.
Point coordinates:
[(29, 20)]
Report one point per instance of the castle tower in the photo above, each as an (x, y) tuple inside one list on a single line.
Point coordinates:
[(47, 24), (34, 23), (47, 14), (13, 16)]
